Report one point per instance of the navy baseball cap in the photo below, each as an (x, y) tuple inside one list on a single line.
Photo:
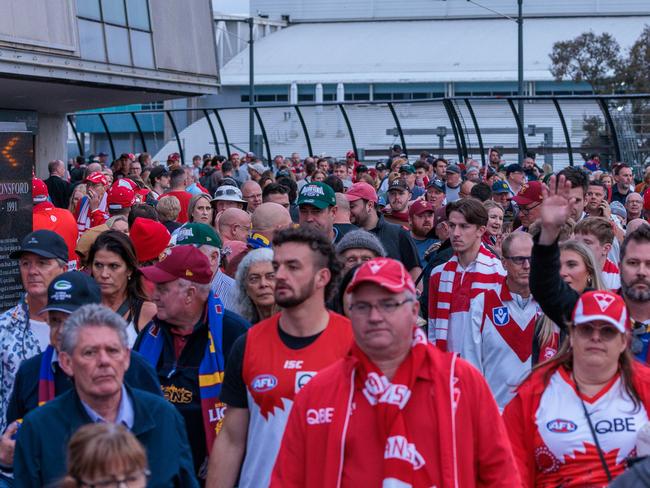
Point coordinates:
[(438, 185), (45, 243), (500, 187), (71, 290)]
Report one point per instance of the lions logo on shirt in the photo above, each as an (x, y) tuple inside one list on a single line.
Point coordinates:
[(500, 315)]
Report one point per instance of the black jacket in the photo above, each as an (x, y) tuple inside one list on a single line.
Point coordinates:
[(442, 255), (179, 378), (555, 297), (59, 190)]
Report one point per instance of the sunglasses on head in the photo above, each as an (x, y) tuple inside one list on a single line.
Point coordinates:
[(605, 332)]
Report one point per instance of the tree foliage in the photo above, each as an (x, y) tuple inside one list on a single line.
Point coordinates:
[(600, 61), (590, 58)]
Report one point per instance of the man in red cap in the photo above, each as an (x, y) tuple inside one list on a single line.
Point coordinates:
[(91, 209), (529, 200), (395, 411), (421, 220), (60, 220), (120, 199), (188, 342), (395, 239)]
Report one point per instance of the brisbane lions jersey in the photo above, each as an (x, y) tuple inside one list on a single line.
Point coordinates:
[(565, 452), (273, 373)]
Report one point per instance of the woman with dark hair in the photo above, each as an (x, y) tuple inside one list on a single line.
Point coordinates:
[(114, 265), (575, 419)]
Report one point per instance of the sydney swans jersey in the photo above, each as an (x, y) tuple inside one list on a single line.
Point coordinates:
[(611, 276), (273, 374), (565, 453), (499, 340)]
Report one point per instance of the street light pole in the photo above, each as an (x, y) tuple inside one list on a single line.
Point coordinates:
[(251, 85), (520, 70)]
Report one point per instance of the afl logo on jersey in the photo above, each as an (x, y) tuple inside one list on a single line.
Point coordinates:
[(561, 426), (500, 315), (264, 382)]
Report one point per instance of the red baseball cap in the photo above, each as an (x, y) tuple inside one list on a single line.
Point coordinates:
[(120, 197), (385, 272), (150, 238), (39, 190), (531, 192), (126, 183), (96, 178), (174, 157), (350, 154), (360, 190), (602, 305), (419, 207), (186, 262)]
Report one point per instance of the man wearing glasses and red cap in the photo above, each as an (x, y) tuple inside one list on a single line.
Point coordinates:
[(395, 411), (188, 342)]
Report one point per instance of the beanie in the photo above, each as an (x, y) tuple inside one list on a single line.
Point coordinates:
[(360, 239), (150, 238)]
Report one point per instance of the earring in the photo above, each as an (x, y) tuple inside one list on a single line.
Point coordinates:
[(589, 281)]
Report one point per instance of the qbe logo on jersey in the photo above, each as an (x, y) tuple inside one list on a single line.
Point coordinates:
[(500, 315), (303, 377)]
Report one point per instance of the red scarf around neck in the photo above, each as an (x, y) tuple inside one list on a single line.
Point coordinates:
[(402, 461)]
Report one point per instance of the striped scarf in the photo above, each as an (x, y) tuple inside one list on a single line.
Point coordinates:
[(403, 463), (83, 218), (450, 293), (211, 369), (46, 391)]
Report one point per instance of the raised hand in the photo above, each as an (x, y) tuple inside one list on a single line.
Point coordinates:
[(556, 208)]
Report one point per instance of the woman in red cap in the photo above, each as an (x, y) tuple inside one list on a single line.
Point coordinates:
[(576, 418)]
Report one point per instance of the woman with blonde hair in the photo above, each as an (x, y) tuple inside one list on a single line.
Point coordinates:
[(78, 193), (200, 209), (579, 271), (105, 454)]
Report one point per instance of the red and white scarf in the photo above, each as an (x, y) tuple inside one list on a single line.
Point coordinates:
[(402, 462), (451, 290)]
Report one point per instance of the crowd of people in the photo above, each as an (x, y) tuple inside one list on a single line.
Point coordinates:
[(411, 322)]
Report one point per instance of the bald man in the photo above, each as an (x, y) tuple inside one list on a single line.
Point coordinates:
[(268, 218), (252, 193), (633, 225), (234, 224), (342, 218)]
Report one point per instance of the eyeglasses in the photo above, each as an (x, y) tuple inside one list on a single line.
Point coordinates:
[(254, 279), (134, 480), (518, 260), (385, 307), (526, 210), (606, 333)]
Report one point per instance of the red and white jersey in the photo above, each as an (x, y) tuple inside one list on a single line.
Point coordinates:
[(565, 452), (273, 374), (451, 288), (499, 340), (611, 275)]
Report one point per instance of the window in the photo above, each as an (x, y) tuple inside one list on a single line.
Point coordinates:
[(91, 41), (116, 31)]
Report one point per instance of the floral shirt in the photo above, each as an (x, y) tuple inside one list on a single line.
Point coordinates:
[(17, 343)]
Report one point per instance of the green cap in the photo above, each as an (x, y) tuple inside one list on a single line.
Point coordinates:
[(317, 194), (199, 234), (407, 168)]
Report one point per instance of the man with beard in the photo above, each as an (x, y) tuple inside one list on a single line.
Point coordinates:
[(557, 298), (399, 195), (421, 224), (277, 357)]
